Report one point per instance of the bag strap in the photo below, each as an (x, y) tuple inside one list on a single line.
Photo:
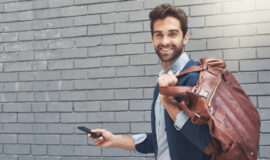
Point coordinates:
[(180, 91)]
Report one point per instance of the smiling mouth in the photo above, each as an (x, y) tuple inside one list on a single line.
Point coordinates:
[(166, 49)]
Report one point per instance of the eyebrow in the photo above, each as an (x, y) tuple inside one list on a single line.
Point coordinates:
[(172, 30)]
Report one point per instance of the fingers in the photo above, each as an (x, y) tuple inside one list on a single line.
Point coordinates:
[(167, 79)]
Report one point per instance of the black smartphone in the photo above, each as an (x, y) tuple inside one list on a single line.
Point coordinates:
[(88, 131)]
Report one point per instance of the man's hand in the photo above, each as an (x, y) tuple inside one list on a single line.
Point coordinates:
[(108, 140), (169, 102)]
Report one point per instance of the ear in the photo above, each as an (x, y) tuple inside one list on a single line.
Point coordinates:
[(186, 38)]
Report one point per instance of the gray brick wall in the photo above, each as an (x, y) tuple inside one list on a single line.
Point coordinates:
[(65, 63)]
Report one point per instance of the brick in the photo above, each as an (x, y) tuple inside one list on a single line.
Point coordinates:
[(146, 26), (240, 30), (73, 52), (59, 107), (47, 139), (253, 65), (129, 116), (240, 53), (9, 37), (100, 29), (5, 57), (262, 4), (115, 83), (48, 75), (27, 35), (208, 9), (153, 4), (114, 17), (238, 6), (144, 59), (152, 70), (47, 117), (140, 104), (139, 15), (87, 150), (128, 94), (256, 89), (40, 86), (8, 138), (100, 95), (101, 51), (8, 97), (18, 66), (8, 117), (25, 117), (87, 63), (60, 128), (17, 128), (25, 139), (101, 72), (8, 157), (48, 13), (87, 20), (74, 74), (16, 149), (129, 71), (209, 32), (128, 27), (253, 17), (141, 37), (130, 49), (57, 3), (74, 32), (140, 127), (39, 149), (38, 107), (19, 6), (115, 61), (87, 41), (115, 152), (143, 82), (264, 76), (25, 157), (64, 43), (233, 66), (196, 45), (187, 2), (17, 107), (39, 24), (264, 152), (46, 96), (73, 117), (40, 45), (100, 117), (265, 126), (114, 105), (264, 139), (45, 55), (217, 20), (18, 46), (263, 28), (115, 39), (27, 15), (60, 64), (73, 11), (39, 4), (72, 95), (222, 43), (101, 8), (208, 53), (263, 101), (87, 106), (60, 22), (246, 77), (87, 84), (27, 55), (73, 139), (117, 127), (128, 6), (40, 65)]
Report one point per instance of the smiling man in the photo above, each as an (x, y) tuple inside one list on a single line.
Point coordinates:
[(174, 136)]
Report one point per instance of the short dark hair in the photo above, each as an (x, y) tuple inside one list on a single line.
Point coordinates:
[(164, 10)]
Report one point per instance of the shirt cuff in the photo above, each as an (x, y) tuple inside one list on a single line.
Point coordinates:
[(138, 138), (181, 119)]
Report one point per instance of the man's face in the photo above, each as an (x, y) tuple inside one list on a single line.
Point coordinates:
[(168, 39)]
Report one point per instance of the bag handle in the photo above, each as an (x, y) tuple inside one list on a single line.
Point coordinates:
[(180, 91)]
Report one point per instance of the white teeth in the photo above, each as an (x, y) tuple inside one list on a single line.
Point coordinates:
[(166, 49)]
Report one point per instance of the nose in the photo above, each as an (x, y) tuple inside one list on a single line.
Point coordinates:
[(165, 40)]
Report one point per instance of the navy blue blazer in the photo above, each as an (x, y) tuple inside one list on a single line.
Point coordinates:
[(186, 144)]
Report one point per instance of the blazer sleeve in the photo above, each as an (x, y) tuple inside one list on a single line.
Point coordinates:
[(146, 146), (198, 135)]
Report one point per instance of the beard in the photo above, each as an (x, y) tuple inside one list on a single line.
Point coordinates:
[(177, 52)]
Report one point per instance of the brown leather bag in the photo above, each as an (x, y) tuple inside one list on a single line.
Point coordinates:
[(219, 101)]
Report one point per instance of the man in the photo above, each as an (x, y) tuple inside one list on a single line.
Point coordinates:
[(173, 135)]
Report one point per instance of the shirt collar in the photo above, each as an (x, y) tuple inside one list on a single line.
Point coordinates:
[(178, 65)]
